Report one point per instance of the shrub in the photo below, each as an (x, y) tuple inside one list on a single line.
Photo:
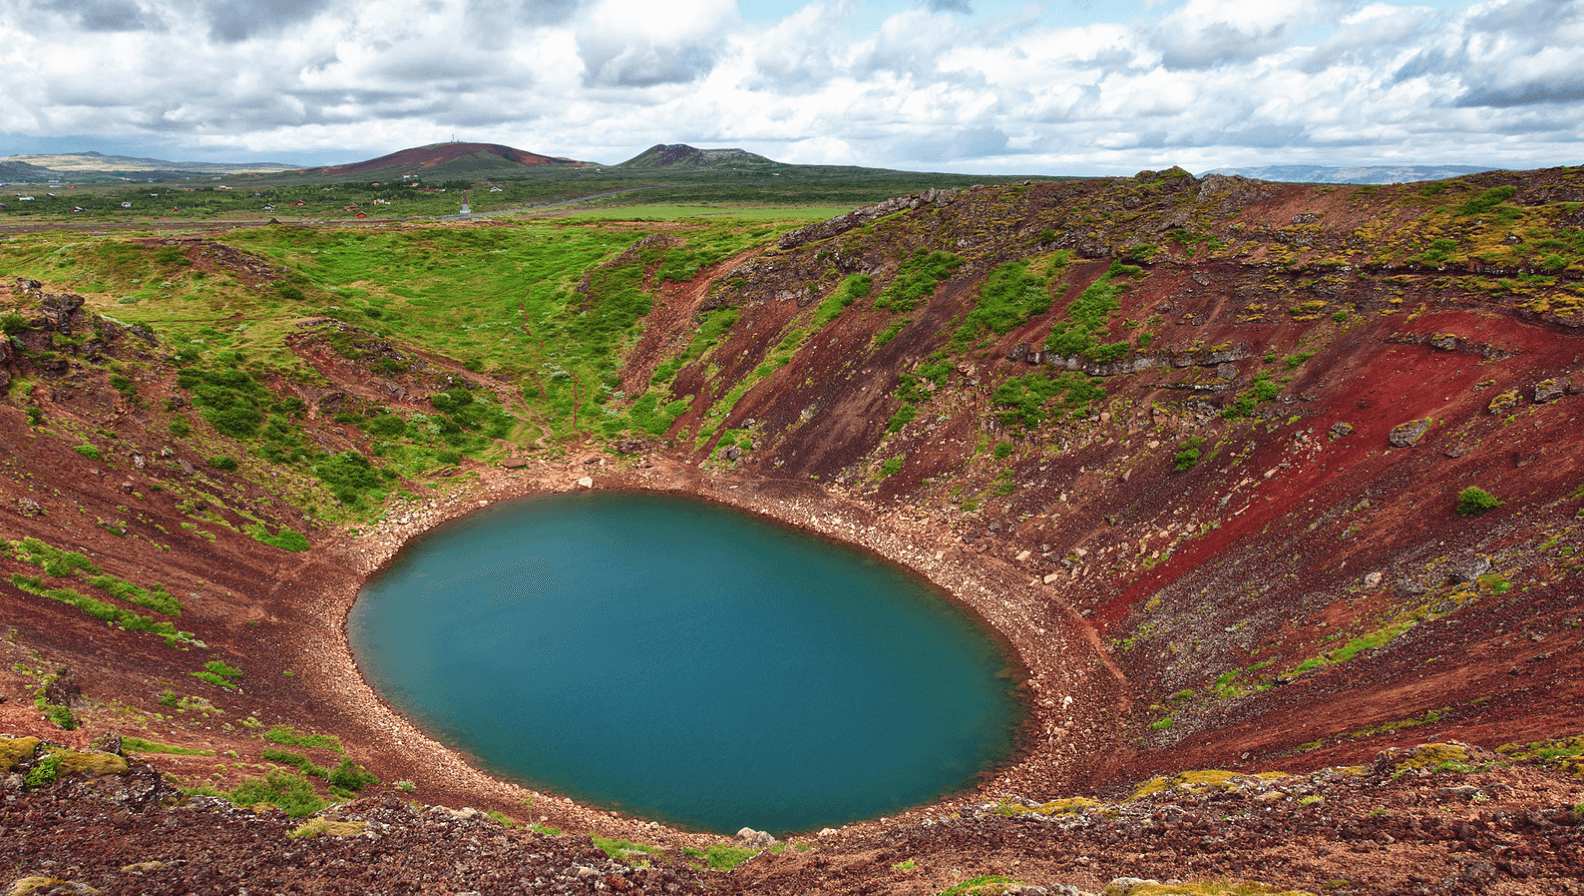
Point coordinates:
[(347, 474), (45, 772), (293, 793), (1474, 500), (1188, 454), (222, 462), (351, 776), (88, 451), (35, 416), (13, 323), (388, 426), (1488, 200)]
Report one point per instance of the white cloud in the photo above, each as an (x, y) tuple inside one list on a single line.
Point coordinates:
[(639, 43), (1203, 83)]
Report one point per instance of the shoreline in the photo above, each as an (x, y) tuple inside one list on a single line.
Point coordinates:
[(1018, 616)]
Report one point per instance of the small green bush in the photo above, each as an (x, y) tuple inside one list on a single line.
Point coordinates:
[(1474, 500), (293, 793), (351, 776), (1188, 454), (88, 451), (45, 772), (222, 462)]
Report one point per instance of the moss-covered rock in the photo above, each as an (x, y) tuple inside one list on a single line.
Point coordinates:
[(92, 764), (323, 827), (15, 749), (39, 884), (1566, 753), (1203, 780)]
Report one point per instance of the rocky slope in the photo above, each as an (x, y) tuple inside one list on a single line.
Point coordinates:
[(1196, 447)]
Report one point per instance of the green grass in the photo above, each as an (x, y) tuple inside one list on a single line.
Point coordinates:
[(139, 745), (720, 857), (1007, 299), (291, 737), (126, 620), (685, 212), (915, 281), (616, 848)]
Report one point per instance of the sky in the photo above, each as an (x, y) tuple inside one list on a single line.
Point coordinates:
[(973, 86)]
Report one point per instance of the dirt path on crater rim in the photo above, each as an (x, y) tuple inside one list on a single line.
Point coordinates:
[(1067, 680)]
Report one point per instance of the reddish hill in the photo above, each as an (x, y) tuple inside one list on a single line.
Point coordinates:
[(447, 158)]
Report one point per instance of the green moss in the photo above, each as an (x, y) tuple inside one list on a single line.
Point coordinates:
[(1434, 757), (15, 749), (323, 827), (92, 764), (720, 857)]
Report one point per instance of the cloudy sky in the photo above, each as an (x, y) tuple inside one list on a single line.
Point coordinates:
[(984, 86)]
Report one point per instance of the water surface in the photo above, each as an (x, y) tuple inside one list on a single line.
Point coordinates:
[(685, 662)]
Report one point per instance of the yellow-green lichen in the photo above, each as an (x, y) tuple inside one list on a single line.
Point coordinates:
[(92, 764), (1068, 806), (1436, 757), (324, 827), (1566, 753), (1202, 780)]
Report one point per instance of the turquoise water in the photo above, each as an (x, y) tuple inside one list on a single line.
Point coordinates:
[(685, 662)]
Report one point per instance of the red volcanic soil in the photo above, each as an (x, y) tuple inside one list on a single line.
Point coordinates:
[(1304, 595), (423, 158)]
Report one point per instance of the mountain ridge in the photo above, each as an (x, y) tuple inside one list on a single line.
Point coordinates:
[(441, 159)]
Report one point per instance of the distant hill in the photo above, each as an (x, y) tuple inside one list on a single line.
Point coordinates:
[(1355, 174), (667, 155), (22, 172), (448, 159), (87, 166)]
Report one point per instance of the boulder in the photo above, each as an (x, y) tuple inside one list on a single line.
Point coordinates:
[(1549, 390), (760, 839), (1407, 435), (1468, 569), (1340, 429)]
